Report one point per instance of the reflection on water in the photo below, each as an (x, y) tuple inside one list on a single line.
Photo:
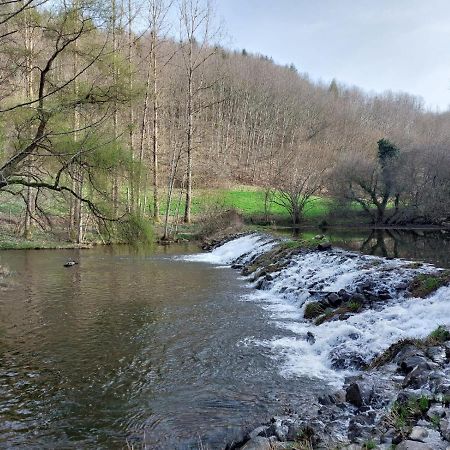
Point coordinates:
[(432, 246)]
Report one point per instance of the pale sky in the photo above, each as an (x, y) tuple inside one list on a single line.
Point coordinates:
[(378, 45)]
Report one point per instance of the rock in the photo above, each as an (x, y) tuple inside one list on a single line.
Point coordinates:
[(278, 429), (334, 300), (344, 295), (418, 434), (358, 298), (445, 429), (327, 399), (319, 237), (358, 395), (70, 263), (436, 411), (413, 445), (407, 364), (417, 378), (361, 426), (258, 443), (406, 351), (324, 246), (404, 397), (310, 338), (437, 354), (339, 396), (237, 266), (260, 431)]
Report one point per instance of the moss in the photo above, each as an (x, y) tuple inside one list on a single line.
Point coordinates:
[(353, 306), (313, 310), (425, 284), (370, 445), (439, 336)]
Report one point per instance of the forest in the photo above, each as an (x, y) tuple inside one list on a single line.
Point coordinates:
[(113, 115)]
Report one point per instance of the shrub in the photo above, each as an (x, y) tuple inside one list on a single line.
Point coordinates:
[(135, 229)]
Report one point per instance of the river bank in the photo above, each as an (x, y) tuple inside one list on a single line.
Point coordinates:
[(376, 327)]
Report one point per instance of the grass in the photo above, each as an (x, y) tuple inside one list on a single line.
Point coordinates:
[(403, 416), (425, 284), (313, 310)]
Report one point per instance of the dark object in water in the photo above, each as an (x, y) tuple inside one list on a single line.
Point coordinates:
[(70, 263), (310, 338)]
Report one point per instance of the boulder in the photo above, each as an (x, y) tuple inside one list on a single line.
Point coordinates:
[(358, 394), (445, 429), (334, 300), (258, 443), (436, 411), (260, 431), (437, 354), (407, 364), (418, 434), (417, 378), (324, 246)]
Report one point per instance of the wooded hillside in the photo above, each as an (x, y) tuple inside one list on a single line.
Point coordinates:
[(113, 111)]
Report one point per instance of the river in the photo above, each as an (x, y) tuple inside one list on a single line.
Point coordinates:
[(155, 347)]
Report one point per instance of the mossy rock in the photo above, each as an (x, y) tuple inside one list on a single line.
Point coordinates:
[(425, 284)]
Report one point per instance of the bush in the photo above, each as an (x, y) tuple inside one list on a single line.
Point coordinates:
[(135, 229)]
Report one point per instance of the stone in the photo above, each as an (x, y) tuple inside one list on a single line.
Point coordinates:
[(260, 431), (445, 429), (334, 299), (258, 443), (310, 338), (417, 378), (436, 411), (407, 364), (413, 445), (278, 429), (324, 246), (437, 354), (358, 395), (418, 434)]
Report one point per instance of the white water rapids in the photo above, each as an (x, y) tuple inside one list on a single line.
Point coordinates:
[(360, 337)]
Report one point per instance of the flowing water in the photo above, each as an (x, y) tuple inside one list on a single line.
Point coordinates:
[(173, 348)]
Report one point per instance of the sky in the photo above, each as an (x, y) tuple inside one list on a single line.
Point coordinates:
[(377, 45)]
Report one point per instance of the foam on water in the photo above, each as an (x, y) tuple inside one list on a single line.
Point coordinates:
[(244, 248), (344, 343)]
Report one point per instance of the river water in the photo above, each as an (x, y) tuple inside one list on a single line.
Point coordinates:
[(173, 350), (131, 346)]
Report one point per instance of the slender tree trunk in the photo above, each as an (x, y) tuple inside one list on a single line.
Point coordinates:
[(155, 129), (29, 93), (190, 128), (132, 183)]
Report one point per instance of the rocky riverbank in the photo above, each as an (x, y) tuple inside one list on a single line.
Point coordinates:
[(370, 322)]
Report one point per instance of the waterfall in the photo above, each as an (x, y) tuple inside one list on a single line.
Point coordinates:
[(340, 346)]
